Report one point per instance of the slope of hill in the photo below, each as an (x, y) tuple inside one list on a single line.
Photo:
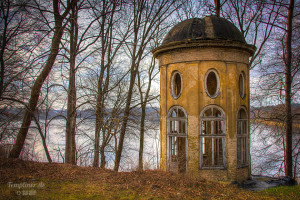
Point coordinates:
[(32, 180)]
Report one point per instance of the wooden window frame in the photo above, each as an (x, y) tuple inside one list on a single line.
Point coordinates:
[(172, 84), (242, 91), (212, 137), (217, 92), (242, 141), (173, 135)]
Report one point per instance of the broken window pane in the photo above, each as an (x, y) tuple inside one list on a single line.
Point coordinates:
[(212, 83), (177, 133), (242, 138), (176, 85), (242, 86), (212, 138)]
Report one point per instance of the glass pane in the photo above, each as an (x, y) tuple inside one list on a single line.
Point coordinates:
[(242, 114), (244, 150), (217, 113), (211, 83), (180, 113), (173, 114), (239, 157), (203, 145), (239, 127), (218, 152), (174, 126), (218, 127), (241, 85), (206, 127), (182, 127), (173, 146), (244, 127), (177, 84), (207, 153), (208, 112)]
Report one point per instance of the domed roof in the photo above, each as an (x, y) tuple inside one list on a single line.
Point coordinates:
[(208, 28)]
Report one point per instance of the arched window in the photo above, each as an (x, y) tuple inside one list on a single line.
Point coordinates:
[(242, 138), (212, 83), (176, 85), (177, 139), (212, 138), (242, 85)]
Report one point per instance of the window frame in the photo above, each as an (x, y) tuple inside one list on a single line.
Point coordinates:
[(244, 148), (172, 84), (216, 94), (172, 135), (202, 137), (242, 91)]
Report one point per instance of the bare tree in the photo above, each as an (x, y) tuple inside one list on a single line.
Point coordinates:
[(256, 21), (144, 100), (17, 45), (288, 84), (45, 114), (70, 149), (107, 14), (188, 9), (146, 18), (280, 84), (16, 21), (35, 91)]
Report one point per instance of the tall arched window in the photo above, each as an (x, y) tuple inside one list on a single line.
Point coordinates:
[(242, 138), (212, 138), (177, 139)]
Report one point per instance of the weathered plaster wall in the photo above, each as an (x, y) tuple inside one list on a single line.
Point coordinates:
[(193, 64)]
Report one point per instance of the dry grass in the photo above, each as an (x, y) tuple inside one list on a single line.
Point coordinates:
[(63, 181)]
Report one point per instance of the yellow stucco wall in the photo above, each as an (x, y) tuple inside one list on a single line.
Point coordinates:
[(193, 64)]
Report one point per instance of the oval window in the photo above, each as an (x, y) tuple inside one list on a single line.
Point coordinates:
[(242, 86), (176, 85), (212, 84)]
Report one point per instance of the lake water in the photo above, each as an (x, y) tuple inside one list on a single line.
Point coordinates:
[(267, 150), (266, 147), (84, 145)]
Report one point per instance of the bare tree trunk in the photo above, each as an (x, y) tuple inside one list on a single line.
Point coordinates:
[(142, 136), (288, 85), (70, 151), (99, 118), (144, 101), (147, 17), (43, 140), (3, 45), (108, 53), (35, 91), (103, 158), (96, 142), (118, 155)]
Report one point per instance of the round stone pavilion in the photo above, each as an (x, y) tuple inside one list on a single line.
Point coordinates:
[(204, 100)]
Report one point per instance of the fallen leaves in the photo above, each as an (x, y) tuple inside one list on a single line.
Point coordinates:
[(63, 180)]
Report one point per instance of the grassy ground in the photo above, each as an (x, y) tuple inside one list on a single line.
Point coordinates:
[(31, 180)]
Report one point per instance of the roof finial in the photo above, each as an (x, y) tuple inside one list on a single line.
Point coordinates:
[(217, 7)]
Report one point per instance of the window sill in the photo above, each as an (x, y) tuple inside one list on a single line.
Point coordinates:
[(212, 168), (242, 166)]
